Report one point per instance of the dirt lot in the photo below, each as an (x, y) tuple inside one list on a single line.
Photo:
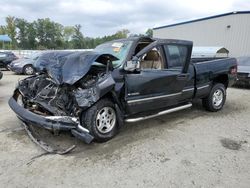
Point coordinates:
[(191, 148)]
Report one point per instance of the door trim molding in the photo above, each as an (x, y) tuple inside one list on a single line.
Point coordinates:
[(189, 89), (152, 98), (203, 87)]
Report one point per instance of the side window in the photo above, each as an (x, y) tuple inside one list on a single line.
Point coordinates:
[(152, 60), (177, 55)]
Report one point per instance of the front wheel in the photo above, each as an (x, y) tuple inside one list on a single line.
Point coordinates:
[(101, 120), (28, 70), (216, 98)]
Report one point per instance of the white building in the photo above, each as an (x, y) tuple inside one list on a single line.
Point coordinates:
[(230, 30)]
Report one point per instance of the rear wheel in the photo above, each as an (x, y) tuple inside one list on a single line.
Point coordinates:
[(101, 120), (216, 98), (28, 70)]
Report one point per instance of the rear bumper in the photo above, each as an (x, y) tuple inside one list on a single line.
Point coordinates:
[(240, 82), (243, 78), (52, 123)]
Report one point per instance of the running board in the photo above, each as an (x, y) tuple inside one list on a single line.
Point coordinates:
[(159, 113)]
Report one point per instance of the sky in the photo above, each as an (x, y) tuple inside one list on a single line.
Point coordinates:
[(104, 17)]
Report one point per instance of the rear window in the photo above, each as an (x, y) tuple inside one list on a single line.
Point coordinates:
[(177, 55)]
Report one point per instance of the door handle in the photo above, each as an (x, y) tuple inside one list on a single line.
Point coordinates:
[(182, 76)]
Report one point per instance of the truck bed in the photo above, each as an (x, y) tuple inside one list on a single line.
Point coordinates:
[(208, 71)]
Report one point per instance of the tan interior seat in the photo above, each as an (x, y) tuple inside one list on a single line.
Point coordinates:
[(151, 61)]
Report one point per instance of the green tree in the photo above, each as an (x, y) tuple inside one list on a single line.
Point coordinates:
[(149, 33), (22, 33), (32, 34), (57, 36), (77, 38), (121, 34), (11, 29), (49, 34), (3, 30), (99, 40), (68, 32), (40, 32)]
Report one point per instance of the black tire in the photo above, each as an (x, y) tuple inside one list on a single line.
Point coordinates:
[(28, 70), (90, 120), (215, 104)]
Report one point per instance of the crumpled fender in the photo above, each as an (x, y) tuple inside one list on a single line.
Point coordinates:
[(87, 97)]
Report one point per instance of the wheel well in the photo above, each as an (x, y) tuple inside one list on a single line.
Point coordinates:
[(28, 65), (112, 96), (223, 79)]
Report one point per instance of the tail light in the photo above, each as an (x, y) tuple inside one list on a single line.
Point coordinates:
[(234, 69)]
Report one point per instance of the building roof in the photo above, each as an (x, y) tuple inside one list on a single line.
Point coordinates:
[(5, 38), (202, 19)]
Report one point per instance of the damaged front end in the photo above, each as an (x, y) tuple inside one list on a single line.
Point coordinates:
[(55, 99)]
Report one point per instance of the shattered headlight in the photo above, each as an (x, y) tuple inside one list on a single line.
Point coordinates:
[(19, 100)]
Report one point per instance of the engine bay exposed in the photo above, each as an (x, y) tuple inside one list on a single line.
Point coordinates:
[(43, 96)]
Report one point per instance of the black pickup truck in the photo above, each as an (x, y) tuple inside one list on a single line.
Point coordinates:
[(93, 93)]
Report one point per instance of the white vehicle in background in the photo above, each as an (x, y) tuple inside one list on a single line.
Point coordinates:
[(24, 65), (243, 73)]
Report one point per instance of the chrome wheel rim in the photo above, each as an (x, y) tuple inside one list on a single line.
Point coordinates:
[(105, 120), (29, 70), (217, 97)]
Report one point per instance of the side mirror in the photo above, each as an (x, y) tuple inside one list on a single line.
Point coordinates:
[(131, 65)]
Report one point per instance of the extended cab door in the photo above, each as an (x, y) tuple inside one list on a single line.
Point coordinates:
[(160, 79)]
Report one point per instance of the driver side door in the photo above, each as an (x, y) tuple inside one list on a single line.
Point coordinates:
[(153, 87)]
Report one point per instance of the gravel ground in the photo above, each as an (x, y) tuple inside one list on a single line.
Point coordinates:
[(190, 148)]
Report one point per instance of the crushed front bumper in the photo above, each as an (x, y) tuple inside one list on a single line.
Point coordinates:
[(52, 123)]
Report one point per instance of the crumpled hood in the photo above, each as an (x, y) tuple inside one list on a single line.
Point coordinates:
[(70, 67)]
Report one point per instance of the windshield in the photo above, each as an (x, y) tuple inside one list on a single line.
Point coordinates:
[(117, 49)]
